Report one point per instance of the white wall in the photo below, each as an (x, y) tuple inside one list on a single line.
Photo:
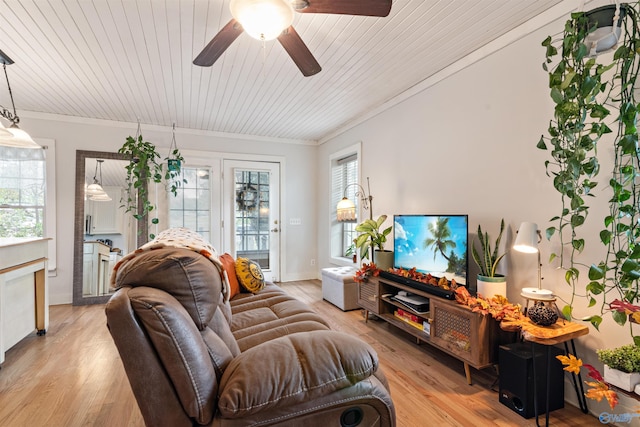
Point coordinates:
[(298, 193), (467, 144)]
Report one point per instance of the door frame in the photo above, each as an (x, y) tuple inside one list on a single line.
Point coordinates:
[(229, 165)]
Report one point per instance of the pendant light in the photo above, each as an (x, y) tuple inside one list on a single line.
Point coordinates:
[(95, 190), (12, 136)]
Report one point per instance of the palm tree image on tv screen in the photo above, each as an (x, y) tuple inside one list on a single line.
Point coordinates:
[(432, 244)]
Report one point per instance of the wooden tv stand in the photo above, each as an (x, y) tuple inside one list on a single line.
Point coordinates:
[(470, 337)]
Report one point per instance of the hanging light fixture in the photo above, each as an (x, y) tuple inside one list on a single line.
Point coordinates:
[(95, 190), (12, 136), (262, 19)]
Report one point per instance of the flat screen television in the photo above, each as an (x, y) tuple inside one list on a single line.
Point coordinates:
[(432, 244)]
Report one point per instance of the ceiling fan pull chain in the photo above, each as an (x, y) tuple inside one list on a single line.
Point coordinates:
[(264, 58)]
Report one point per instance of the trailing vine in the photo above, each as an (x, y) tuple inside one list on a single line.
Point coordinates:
[(584, 92), (144, 168)]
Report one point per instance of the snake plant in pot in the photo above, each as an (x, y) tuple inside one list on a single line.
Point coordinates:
[(490, 283), (595, 102)]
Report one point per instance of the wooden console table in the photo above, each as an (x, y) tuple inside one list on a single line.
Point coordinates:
[(24, 296)]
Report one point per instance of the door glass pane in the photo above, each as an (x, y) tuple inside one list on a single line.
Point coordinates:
[(252, 216), (191, 208)]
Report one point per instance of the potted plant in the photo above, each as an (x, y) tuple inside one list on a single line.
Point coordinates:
[(593, 99), (490, 283), (621, 366), (350, 252), (142, 169), (371, 236)]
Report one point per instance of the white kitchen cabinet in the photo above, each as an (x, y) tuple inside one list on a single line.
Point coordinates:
[(105, 217), (24, 293), (95, 269)]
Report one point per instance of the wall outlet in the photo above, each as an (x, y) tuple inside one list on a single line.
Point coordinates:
[(313, 262)]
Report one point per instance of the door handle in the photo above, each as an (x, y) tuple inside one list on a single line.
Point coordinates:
[(275, 230)]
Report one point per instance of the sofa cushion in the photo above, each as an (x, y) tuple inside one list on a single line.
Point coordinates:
[(229, 265), (186, 275), (269, 314), (314, 364), (249, 274), (192, 365)]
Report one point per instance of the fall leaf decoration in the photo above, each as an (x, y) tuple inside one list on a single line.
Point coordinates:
[(498, 306), (427, 278), (599, 389), (571, 363), (593, 372), (626, 308), (366, 271)]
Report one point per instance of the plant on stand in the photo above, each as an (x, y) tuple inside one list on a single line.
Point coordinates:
[(586, 95), (371, 237), (490, 283)]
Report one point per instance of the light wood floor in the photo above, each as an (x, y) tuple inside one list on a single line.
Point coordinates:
[(73, 376)]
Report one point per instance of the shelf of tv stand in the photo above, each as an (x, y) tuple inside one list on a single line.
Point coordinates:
[(420, 334), (455, 329)]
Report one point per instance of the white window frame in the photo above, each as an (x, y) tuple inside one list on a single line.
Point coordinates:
[(203, 208), (335, 227), (49, 221)]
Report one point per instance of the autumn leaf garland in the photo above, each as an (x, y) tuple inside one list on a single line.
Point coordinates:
[(599, 389)]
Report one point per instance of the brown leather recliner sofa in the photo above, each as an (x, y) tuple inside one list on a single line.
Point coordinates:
[(259, 359)]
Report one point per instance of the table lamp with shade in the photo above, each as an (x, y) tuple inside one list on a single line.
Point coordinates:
[(527, 241)]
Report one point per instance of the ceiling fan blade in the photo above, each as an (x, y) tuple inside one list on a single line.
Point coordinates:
[(219, 44), (348, 7), (299, 52)]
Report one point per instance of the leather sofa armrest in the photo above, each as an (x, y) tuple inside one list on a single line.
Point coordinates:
[(293, 369)]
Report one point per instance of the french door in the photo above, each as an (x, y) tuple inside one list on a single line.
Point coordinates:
[(251, 217)]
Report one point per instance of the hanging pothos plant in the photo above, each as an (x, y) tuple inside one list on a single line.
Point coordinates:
[(144, 168), (593, 99)]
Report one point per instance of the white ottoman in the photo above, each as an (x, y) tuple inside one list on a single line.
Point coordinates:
[(339, 288)]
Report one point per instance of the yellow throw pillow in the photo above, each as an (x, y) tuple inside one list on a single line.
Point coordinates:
[(249, 274)]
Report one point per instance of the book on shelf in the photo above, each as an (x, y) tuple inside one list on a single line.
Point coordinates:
[(417, 325), (409, 316)]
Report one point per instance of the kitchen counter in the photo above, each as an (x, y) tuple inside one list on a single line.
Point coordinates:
[(24, 293)]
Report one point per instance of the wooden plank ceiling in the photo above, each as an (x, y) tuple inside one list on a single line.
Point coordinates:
[(124, 60)]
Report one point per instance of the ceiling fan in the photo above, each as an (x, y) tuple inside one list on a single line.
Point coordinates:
[(270, 19)]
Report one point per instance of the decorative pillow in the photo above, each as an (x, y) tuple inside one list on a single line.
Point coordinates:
[(249, 274), (229, 265)]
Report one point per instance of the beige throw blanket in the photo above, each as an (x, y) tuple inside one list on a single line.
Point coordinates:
[(179, 238)]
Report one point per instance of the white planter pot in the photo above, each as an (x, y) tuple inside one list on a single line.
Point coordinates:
[(489, 287), (622, 380)]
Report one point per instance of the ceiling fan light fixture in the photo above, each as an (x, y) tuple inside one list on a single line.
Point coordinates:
[(262, 19)]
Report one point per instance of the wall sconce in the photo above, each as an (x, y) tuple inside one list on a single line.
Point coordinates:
[(527, 241), (12, 136), (346, 209), (262, 19)]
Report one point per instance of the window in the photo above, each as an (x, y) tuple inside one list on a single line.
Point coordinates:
[(22, 192), (344, 172), (191, 208)]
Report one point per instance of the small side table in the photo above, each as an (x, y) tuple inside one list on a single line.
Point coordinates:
[(562, 332)]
